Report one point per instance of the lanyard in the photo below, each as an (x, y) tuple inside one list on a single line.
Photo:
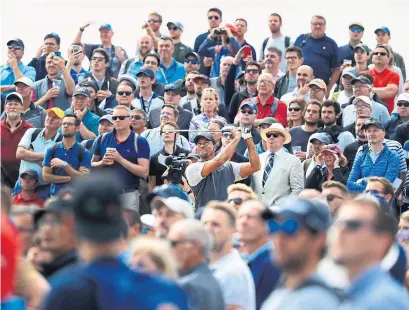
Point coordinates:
[(148, 104)]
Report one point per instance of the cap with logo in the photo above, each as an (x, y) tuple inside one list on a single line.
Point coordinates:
[(105, 26), (362, 79), (14, 96), (202, 77), (57, 111), (176, 205), (89, 83), (363, 47), (352, 72), (106, 118), (172, 87), (384, 29), (17, 41), (25, 80), (249, 104), (146, 71), (167, 191), (318, 82), (206, 136), (178, 25), (82, 91), (31, 173), (372, 122), (365, 99), (320, 136)]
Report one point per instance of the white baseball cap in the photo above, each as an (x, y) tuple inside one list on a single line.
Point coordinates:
[(26, 81), (176, 205)]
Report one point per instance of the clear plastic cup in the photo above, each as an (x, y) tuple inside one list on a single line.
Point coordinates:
[(110, 149)]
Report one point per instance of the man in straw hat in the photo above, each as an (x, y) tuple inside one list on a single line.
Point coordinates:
[(281, 173)]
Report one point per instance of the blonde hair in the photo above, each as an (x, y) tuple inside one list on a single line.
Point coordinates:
[(242, 188), (159, 252), (216, 95), (405, 216), (224, 207)]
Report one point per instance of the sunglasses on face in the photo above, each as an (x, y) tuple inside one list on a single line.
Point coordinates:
[(121, 118), (173, 28), (14, 47), (331, 197), (192, 61), (236, 201), (249, 112), (227, 135), (353, 225), (137, 117), (403, 104), (213, 17), (122, 93), (288, 227), (380, 54), (252, 71), (356, 29), (294, 109), (153, 20), (98, 58), (273, 134)]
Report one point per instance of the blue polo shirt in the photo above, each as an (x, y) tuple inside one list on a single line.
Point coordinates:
[(71, 156), (90, 120), (127, 151), (79, 76), (134, 67), (321, 55), (176, 71), (7, 76)]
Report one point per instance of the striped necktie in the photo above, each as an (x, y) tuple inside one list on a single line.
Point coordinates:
[(268, 168)]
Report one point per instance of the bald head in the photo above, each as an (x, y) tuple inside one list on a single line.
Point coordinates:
[(304, 75)]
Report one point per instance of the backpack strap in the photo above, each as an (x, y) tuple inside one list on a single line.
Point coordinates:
[(34, 136), (305, 39), (286, 41), (265, 44), (274, 106), (128, 63), (135, 142)]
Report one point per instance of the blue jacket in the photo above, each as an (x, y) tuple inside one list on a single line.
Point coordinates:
[(386, 166), (265, 274)]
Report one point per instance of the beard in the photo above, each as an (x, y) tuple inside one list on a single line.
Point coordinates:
[(68, 135), (293, 264), (311, 123), (13, 115)]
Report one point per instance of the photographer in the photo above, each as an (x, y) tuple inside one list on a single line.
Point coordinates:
[(157, 164), (210, 177), (219, 43)]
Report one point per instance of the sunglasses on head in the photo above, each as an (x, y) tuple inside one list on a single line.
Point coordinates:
[(122, 92), (236, 201), (136, 117), (380, 53), (288, 227), (227, 135), (403, 104), (356, 29), (273, 134), (14, 47), (294, 109), (174, 28), (121, 118), (249, 112), (213, 17), (252, 71), (98, 58), (192, 61)]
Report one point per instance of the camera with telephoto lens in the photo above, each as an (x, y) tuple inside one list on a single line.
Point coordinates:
[(177, 166)]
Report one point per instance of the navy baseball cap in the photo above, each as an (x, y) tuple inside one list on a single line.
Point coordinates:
[(13, 96), (146, 71), (89, 83), (172, 87), (313, 213), (320, 136), (30, 172), (17, 41), (82, 91), (105, 26), (97, 208), (194, 54), (240, 74), (205, 135), (384, 29), (166, 191), (203, 78), (372, 122), (249, 104), (56, 206)]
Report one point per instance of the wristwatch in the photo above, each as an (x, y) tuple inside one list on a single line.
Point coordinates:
[(82, 29), (64, 163)]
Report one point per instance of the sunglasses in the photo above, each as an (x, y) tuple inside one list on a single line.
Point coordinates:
[(121, 118), (227, 135), (126, 93), (236, 201), (213, 17), (273, 134), (249, 112), (14, 47), (353, 225), (252, 71), (98, 58), (380, 53), (173, 28), (403, 104), (288, 227), (137, 117), (291, 58), (294, 109), (356, 29), (192, 61), (153, 20), (331, 197)]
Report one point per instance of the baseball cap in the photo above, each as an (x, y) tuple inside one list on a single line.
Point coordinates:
[(146, 71), (356, 24), (406, 146), (313, 213), (384, 29), (320, 136), (30, 172), (130, 79), (193, 156), (350, 71), (363, 47), (372, 122), (19, 42), (177, 24), (107, 118), (82, 91), (232, 28), (105, 26), (267, 121), (202, 77), (365, 99), (55, 206), (333, 148), (148, 220), (97, 207), (176, 205), (362, 79), (166, 191), (89, 83), (25, 80), (250, 104), (13, 96), (205, 135), (194, 54), (56, 111), (318, 82), (172, 87), (239, 74), (403, 97)]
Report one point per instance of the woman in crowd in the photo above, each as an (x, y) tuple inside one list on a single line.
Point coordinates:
[(209, 106), (331, 166), (296, 110)]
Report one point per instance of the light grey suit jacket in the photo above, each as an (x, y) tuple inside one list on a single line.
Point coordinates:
[(285, 179)]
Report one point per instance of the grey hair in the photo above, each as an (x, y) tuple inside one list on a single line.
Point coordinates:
[(194, 230), (122, 107)]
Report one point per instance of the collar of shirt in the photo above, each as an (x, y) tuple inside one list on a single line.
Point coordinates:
[(20, 197), (269, 101), (278, 153), (20, 66), (8, 126), (266, 247), (32, 106), (364, 279), (100, 83), (172, 64), (123, 141)]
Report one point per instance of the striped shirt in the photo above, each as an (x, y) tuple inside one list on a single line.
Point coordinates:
[(393, 146)]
